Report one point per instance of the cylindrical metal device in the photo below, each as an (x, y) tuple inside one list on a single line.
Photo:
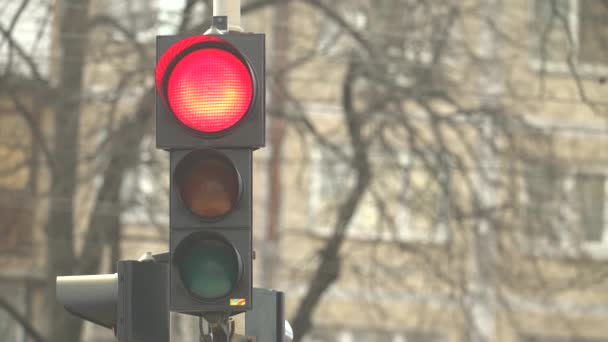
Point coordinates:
[(231, 9)]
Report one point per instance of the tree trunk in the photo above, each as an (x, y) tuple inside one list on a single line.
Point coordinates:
[(60, 225)]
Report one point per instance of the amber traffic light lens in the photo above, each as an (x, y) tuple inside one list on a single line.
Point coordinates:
[(208, 183)]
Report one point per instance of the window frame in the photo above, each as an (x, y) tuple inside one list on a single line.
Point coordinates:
[(346, 334), (562, 67), (544, 337), (566, 182), (404, 218)]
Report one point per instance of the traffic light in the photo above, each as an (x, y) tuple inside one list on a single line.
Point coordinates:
[(210, 116)]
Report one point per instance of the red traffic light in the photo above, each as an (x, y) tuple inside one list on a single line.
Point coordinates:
[(206, 83)]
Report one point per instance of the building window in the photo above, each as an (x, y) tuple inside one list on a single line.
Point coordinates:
[(335, 174), (392, 336), (415, 204), (542, 210), (417, 336), (426, 206), (371, 335), (567, 31), (328, 35), (593, 31), (566, 208), (331, 177), (590, 200), (545, 338), (323, 335)]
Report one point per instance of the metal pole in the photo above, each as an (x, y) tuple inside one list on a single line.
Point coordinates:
[(230, 9)]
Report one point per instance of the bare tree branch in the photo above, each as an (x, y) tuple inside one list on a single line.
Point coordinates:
[(329, 268), (21, 320), (34, 126), (33, 67)]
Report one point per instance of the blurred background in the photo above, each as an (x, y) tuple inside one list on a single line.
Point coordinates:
[(435, 171)]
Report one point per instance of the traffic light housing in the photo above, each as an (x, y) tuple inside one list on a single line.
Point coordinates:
[(133, 301), (210, 115)]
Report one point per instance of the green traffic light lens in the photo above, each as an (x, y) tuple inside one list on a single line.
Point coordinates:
[(209, 268)]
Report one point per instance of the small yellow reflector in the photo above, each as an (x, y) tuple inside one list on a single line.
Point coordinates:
[(238, 301)]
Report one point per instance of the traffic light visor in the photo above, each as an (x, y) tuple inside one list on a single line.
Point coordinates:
[(90, 297), (208, 266), (207, 183), (206, 84)]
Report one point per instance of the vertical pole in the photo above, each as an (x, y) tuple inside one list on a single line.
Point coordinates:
[(482, 287), (231, 9)]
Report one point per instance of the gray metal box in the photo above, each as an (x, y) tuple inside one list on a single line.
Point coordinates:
[(143, 304)]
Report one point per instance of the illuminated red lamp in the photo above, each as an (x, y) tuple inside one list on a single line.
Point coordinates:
[(205, 83)]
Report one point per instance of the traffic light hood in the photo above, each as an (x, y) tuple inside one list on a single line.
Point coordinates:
[(91, 297), (169, 56)]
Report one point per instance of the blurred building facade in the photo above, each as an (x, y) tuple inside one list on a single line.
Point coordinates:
[(410, 273), (413, 272)]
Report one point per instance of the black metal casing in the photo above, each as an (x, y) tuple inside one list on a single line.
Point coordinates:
[(143, 314), (235, 228), (236, 145)]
